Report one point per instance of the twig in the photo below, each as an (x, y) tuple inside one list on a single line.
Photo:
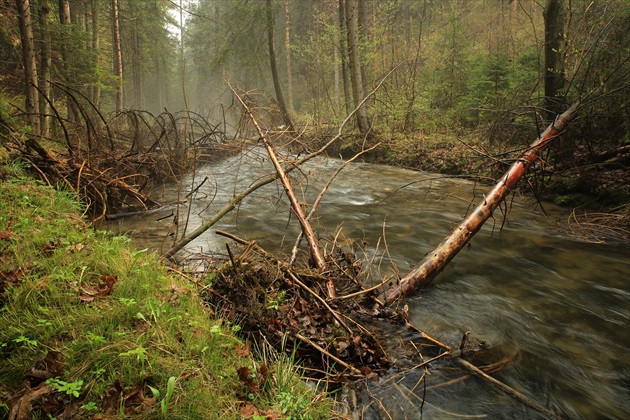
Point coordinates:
[(318, 297), (439, 356), (354, 370), (307, 229), (364, 291), (269, 179), (505, 388)]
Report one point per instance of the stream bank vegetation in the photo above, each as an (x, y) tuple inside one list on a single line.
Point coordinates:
[(93, 328)]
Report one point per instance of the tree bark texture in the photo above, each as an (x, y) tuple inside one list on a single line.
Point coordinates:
[(96, 42), (435, 261), (30, 65), (287, 48), (118, 68), (45, 64), (343, 49), (355, 65), (555, 19), (67, 56), (274, 68)]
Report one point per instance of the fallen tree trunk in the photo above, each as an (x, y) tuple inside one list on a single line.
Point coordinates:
[(267, 180), (436, 260), (307, 230)]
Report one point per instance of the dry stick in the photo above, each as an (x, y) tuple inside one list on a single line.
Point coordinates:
[(503, 387), (436, 260), (354, 370), (478, 372), (323, 192), (318, 297), (329, 283), (313, 243), (427, 337), (364, 291), (433, 359), (268, 180)]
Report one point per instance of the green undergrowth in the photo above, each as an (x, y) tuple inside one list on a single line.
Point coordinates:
[(112, 332)]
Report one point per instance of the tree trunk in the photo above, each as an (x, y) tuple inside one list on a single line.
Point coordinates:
[(137, 56), (45, 64), (363, 38), (96, 41), (436, 260), (555, 18), (118, 69), (355, 66), (30, 66), (287, 46), (274, 69), (412, 84), (67, 56), (343, 49)]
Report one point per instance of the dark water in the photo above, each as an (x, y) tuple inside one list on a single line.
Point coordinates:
[(561, 304)]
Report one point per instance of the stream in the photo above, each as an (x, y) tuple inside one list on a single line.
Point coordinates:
[(523, 285)]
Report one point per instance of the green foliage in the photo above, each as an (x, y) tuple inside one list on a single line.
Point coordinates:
[(58, 304), (70, 388)]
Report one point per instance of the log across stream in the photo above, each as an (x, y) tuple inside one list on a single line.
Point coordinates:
[(560, 304)]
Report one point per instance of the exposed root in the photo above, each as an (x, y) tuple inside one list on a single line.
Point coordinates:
[(601, 227)]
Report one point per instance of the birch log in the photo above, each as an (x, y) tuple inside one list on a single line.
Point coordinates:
[(435, 261)]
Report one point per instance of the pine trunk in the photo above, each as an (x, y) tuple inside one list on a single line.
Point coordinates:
[(555, 18), (96, 40), (118, 69), (45, 64), (274, 69), (344, 55), (30, 66), (287, 47)]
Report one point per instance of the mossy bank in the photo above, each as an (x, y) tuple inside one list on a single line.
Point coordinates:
[(93, 328)]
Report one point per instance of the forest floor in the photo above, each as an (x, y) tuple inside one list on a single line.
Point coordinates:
[(93, 328)]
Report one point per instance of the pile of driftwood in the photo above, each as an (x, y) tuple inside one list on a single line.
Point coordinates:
[(320, 308), (112, 164)]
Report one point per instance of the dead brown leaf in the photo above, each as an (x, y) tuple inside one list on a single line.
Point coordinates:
[(243, 351), (6, 235), (12, 278), (23, 407), (176, 291), (90, 293), (248, 410), (244, 374)]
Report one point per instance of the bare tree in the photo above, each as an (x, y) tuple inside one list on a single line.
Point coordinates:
[(287, 45), (343, 48)]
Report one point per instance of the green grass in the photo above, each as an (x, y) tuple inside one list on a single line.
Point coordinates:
[(117, 332)]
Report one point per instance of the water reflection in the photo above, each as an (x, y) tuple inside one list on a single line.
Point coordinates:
[(563, 304)]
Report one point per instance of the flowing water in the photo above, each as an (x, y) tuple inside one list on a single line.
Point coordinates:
[(526, 287)]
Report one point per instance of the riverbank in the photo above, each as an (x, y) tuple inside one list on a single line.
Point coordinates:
[(93, 328), (579, 182)]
